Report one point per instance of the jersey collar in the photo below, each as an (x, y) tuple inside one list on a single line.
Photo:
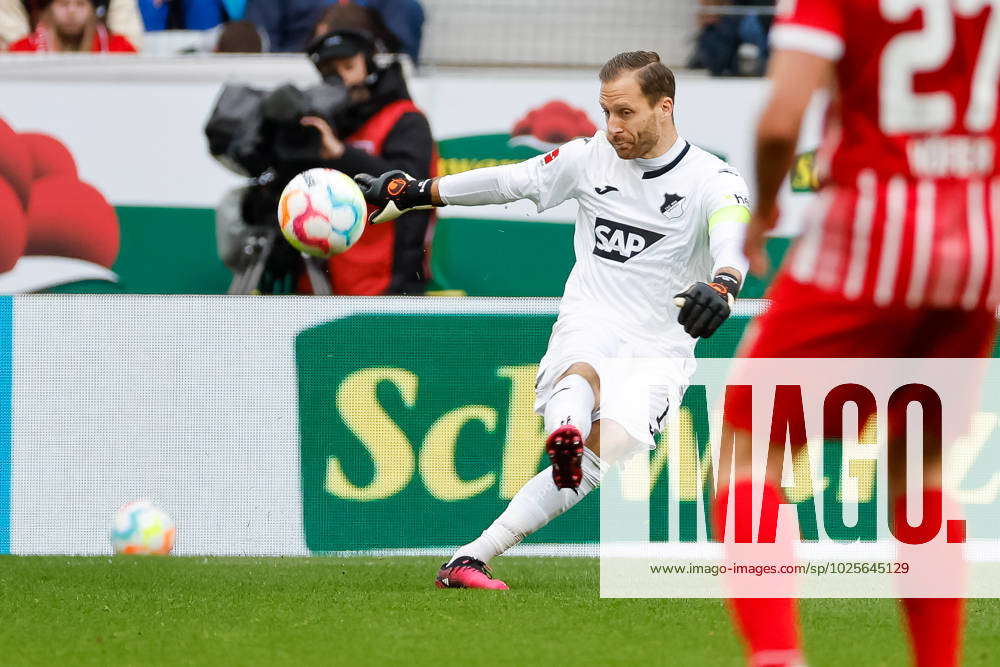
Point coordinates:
[(658, 166)]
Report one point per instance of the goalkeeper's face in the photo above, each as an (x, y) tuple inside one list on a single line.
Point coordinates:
[(634, 126)]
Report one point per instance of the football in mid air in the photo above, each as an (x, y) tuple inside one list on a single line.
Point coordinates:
[(322, 212)]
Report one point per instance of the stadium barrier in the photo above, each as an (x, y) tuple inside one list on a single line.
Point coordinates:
[(283, 425), (278, 426)]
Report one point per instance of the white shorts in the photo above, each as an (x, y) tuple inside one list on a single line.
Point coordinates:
[(624, 383)]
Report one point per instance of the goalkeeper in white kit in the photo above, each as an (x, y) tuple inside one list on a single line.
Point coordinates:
[(659, 261)]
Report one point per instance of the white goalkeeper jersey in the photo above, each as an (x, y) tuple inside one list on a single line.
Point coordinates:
[(642, 230)]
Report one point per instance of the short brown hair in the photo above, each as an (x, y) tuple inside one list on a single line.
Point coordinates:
[(239, 37), (349, 16), (656, 81)]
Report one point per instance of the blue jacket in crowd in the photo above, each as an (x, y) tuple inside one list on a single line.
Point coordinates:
[(405, 19), (191, 14), (288, 23)]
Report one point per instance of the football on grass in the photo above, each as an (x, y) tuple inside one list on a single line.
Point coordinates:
[(142, 528)]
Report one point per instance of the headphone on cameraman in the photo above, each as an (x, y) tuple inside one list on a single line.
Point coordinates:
[(347, 42)]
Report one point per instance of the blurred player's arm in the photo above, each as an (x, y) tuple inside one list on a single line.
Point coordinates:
[(795, 76), (546, 180)]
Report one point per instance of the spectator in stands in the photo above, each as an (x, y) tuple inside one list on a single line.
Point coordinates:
[(241, 37), (405, 19), (380, 129), (123, 18), (288, 23), (72, 26), (190, 14), (13, 22), (733, 44), (19, 17)]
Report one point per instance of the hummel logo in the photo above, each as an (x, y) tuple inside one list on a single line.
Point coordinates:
[(620, 242), (606, 189), (672, 206)]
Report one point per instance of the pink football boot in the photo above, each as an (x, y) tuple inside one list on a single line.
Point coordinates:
[(466, 572)]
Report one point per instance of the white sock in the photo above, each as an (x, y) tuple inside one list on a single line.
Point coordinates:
[(571, 402), (537, 503)]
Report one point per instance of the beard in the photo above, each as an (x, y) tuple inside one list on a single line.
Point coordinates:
[(70, 37), (646, 138)]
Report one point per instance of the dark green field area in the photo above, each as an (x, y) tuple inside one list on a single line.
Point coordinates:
[(364, 611)]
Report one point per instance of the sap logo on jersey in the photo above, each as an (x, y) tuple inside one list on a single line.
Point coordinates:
[(620, 242)]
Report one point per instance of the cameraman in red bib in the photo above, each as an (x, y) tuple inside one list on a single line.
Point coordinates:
[(380, 129)]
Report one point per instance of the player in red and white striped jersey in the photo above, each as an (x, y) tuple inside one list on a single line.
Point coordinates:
[(900, 256), (910, 209)]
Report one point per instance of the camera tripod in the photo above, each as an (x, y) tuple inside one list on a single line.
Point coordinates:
[(256, 251)]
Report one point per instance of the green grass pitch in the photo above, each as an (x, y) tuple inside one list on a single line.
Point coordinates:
[(295, 611)]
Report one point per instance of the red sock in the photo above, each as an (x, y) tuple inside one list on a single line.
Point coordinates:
[(769, 625), (935, 624)]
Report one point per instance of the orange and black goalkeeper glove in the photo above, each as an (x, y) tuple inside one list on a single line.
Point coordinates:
[(394, 193), (705, 306)]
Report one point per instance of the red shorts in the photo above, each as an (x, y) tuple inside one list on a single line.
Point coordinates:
[(804, 321)]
